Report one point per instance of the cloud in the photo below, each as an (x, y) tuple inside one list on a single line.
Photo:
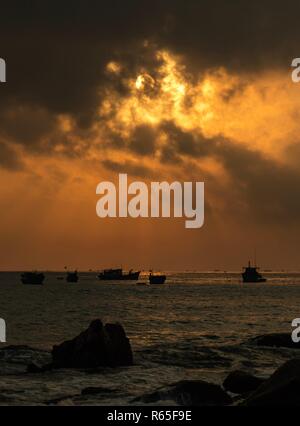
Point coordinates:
[(57, 58), (185, 142), (258, 186), (9, 158), (128, 167), (59, 64), (268, 188), (244, 36), (142, 141), (26, 125)]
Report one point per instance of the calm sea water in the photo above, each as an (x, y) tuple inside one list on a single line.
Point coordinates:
[(195, 326)]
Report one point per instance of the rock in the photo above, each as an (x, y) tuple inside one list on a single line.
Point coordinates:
[(199, 392), (95, 390), (37, 368), (240, 382), (190, 393), (281, 389), (151, 397), (283, 340), (63, 400), (98, 346), (120, 349), (34, 368)]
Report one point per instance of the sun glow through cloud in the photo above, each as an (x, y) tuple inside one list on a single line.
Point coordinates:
[(159, 126), (245, 109)]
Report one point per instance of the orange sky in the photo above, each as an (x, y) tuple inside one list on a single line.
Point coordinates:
[(230, 130)]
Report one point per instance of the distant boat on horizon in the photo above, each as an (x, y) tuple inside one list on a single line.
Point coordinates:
[(33, 278), (72, 277), (251, 275), (157, 278), (118, 275)]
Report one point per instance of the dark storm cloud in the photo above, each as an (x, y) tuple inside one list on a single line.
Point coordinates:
[(56, 52), (142, 140), (56, 55), (26, 125), (262, 185), (269, 188), (183, 142), (240, 35), (266, 188)]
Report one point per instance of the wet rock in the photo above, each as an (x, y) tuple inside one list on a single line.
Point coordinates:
[(151, 397), (240, 382), (95, 390), (190, 393), (34, 367), (98, 346), (65, 402), (120, 352), (283, 340), (62, 400), (199, 392), (281, 389)]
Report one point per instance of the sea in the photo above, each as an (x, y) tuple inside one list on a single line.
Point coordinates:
[(196, 326)]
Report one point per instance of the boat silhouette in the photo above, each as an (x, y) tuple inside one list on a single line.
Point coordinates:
[(157, 278), (250, 275), (72, 277), (34, 278), (118, 275)]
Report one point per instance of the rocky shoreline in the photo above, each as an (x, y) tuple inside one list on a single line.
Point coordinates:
[(107, 346)]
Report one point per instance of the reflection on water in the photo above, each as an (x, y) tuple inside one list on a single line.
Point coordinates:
[(192, 326)]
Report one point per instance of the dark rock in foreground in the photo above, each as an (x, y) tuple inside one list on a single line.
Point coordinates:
[(189, 393), (95, 390), (283, 340), (240, 382), (35, 367), (98, 346), (281, 389), (61, 399)]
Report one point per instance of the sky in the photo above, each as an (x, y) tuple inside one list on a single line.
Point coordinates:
[(162, 90)]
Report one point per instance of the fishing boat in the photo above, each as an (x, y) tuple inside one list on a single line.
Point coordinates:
[(72, 277), (251, 275), (34, 278), (118, 275), (157, 278)]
